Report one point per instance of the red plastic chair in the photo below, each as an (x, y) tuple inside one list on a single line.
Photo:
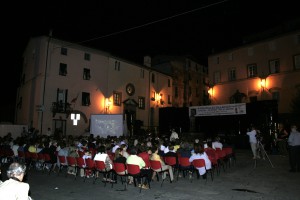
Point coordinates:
[(172, 161), (121, 171), (157, 168), (21, 156), (230, 155), (145, 157), (101, 168), (48, 160), (72, 163), (184, 166), (135, 171), (198, 163), (222, 159), (213, 157), (90, 166), (81, 166), (63, 164)]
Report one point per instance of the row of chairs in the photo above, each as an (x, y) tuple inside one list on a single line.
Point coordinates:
[(40, 161)]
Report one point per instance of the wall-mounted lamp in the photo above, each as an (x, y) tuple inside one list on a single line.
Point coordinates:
[(158, 98), (263, 82), (75, 118), (107, 105), (211, 91)]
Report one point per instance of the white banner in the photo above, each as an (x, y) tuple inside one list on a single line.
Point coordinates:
[(215, 110)]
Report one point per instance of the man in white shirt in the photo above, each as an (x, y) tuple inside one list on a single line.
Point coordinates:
[(253, 141), (174, 135)]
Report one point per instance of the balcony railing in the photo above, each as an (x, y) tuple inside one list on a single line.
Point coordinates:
[(58, 107)]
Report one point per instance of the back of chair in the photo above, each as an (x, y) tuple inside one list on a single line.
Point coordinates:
[(133, 169), (47, 157), (80, 162), (62, 160), (197, 163), (184, 162), (221, 153), (228, 150), (71, 161), (145, 157), (34, 156), (119, 167), (41, 157), (170, 160), (90, 163), (155, 165), (100, 165)]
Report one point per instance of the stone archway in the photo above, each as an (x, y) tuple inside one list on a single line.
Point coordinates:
[(130, 106)]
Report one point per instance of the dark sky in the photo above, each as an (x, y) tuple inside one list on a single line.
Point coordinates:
[(132, 29)]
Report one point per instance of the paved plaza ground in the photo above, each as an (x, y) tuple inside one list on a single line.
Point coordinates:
[(243, 181)]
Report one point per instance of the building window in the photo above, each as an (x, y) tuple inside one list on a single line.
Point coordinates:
[(169, 83), (275, 96), (117, 96), (62, 69), (217, 77), (141, 102), (176, 92), (64, 51), (142, 73), (169, 99), (153, 78), (297, 61), (86, 99), (252, 70), (86, 74), (87, 56), (274, 66), (231, 74), (117, 66)]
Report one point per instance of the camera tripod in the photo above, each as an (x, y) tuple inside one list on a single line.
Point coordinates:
[(261, 152)]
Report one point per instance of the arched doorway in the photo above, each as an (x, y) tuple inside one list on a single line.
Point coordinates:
[(130, 106)]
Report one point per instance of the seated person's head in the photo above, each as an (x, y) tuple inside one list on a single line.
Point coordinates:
[(16, 170)]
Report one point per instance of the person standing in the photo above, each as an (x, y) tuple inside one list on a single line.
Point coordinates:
[(14, 188), (294, 149), (282, 139), (253, 141), (174, 135)]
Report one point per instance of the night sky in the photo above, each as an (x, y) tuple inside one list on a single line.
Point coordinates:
[(132, 29)]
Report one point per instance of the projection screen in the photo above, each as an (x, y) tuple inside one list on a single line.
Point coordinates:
[(106, 125)]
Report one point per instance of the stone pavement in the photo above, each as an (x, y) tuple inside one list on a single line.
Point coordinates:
[(243, 181)]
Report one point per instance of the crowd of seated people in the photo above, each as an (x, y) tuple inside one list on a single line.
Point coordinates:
[(114, 149)]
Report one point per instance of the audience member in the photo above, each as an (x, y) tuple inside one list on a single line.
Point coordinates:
[(294, 149), (136, 160), (14, 188)]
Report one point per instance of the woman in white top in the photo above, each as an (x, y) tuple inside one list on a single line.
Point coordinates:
[(199, 153), (103, 156)]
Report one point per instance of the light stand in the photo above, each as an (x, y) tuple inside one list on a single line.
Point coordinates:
[(262, 152)]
